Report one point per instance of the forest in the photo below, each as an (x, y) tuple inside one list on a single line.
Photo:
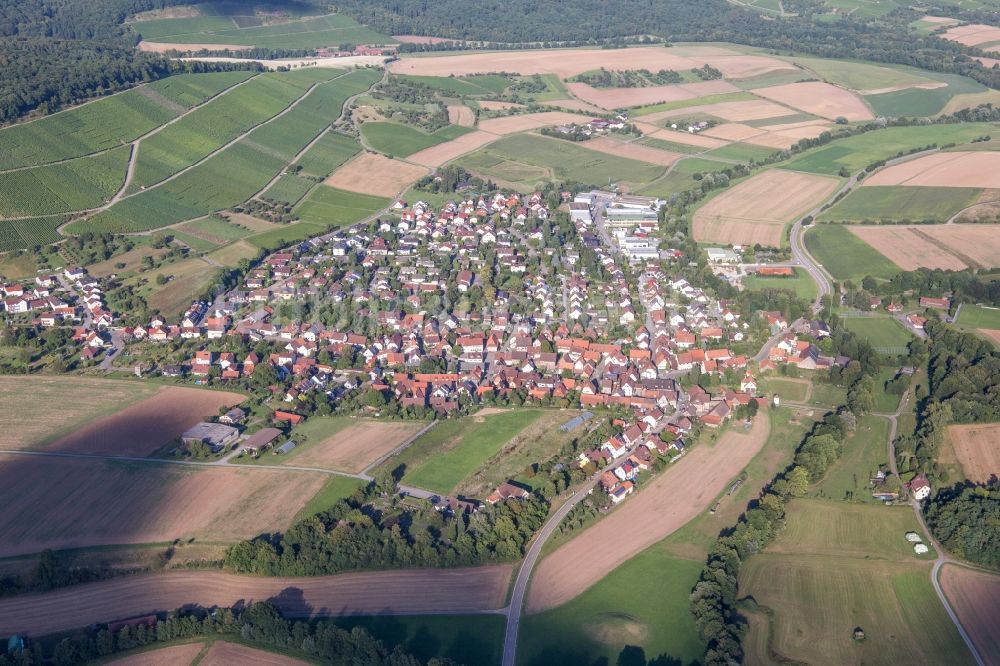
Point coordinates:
[(966, 520)]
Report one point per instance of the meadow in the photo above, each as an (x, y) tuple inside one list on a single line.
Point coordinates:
[(486, 84), (844, 255), (335, 489), (899, 203), (802, 284), (880, 332), (332, 207), (286, 234), (740, 152), (864, 451), (402, 140), (975, 316), (680, 177)]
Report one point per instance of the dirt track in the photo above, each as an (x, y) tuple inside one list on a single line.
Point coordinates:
[(412, 591), (666, 504), (975, 596)]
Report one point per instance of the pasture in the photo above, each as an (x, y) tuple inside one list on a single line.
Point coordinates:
[(880, 332), (758, 209), (946, 246), (897, 203), (682, 176), (335, 489), (844, 255), (449, 452), (333, 207), (402, 140), (346, 444), (838, 566), (975, 449), (802, 284)]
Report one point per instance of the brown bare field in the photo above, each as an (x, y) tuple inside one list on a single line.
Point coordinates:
[(529, 121), (756, 109), (574, 104), (459, 114), (958, 169), (757, 210), (938, 19), (819, 99), (945, 246), (175, 655), (224, 653), (405, 592), (143, 427), (635, 151), (445, 152), (252, 223), (163, 47), (570, 62), (616, 98), (72, 503), (356, 447), (986, 208), (420, 39), (992, 334), (706, 142), (975, 597), (973, 35), (989, 63), (663, 506), (371, 173), (930, 85), (732, 131), (786, 138), (776, 140), (977, 448), (491, 105)]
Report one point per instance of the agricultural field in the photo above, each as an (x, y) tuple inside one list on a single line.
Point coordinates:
[(844, 255), (975, 450), (463, 86), (838, 566), (222, 653), (802, 284), (346, 444), (289, 189), (328, 153), (740, 152), (375, 174), (681, 176), (108, 122), (447, 454), (473, 640), (946, 246), (898, 203), (215, 229), (749, 213), (974, 596), (943, 169), (336, 488), (396, 139), (880, 332), (286, 234), (979, 317), (333, 207)]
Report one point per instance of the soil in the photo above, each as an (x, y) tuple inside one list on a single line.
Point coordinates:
[(357, 446), (442, 153), (819, 99), (945, 246), (175, 655), (958, 169), (371, 173)]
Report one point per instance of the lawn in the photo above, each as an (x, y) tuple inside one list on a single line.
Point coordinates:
[(856, 152), (826, 394), (838, 566), (880, 332), (472, 640), (451, 451), (402, 140), (901, 203), (844, 255), (332, 207), (620, 610), (802, 284), (864, 451), (793, 390), (334, 490), (975, 316)]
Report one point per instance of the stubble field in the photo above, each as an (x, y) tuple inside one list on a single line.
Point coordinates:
[(975, 597), (949, 247), (819, 99), (977, 450), (356, 446), (371, 173), (958, 169)]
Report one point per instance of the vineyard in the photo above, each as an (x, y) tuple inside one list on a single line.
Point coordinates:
[(289, 189), (107, 122), (19, 234), (328, 153), (78, 184), (332, 207)]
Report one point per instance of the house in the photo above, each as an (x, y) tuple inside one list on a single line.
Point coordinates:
[(507, 491), (936, 303), (748, 384), (234, 416), (289, 417), (920, 487), (621, 491)]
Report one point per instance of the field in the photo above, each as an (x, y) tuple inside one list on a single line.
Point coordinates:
[(328, 153), (442, 153), (681, 176), (344, 444), (951, 169), (758, 209), (223, 653), (634, 151), (819, 99), (739, 110), (976, 450), (617, 98), (974, 597), (802, 284), (949, 246), (893, 202), (333, 207), (974, 316), (62, 503), (472, 640), (371, 173), (175, 655), (486, 84), (864, 451), (880, 332), (402, 140), (289, 189), (845, 255), (838, 566), (382, 592), (445, 455), (668, 502), (528, 121), (335, 489)]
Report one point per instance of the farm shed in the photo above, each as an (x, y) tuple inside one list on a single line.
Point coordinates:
[(260, 440), (215, 435)]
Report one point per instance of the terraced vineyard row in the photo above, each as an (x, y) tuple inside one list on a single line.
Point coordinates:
[(108, 122), (27, 233), (328, 153)]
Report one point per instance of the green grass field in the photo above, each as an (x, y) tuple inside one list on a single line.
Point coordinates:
[(286, 235), (26, 233), (681, 176), (741, 152), (845, 255), (487, 84), (333, 207), (898, 203), (402, 140), (216, 229), (879, 331), (336, 489), (856, 152), (683, 103), (864, 451), (857, 75), (472, 640), (673, 147), (802, 284), (923, 102), (974, 316), (445, 455), (838, 566)]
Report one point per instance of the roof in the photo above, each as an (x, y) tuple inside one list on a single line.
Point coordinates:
[(261, 438)]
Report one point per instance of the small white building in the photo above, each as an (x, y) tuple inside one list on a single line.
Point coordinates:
[(722, 255)]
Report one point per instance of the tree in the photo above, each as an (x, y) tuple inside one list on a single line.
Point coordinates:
[(264, 375), (798, 481)]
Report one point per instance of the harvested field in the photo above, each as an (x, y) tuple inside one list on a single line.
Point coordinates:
[(529, 121), (633, 151), (989, 63), (819, 99), (688, 138), (163, 47), (938, 19), (757, 210), (73, 503), (223, 653), (566, 63), (459, 114), (992, 334), (732, 131), (757, 109), (371, 173), (945, 246), (958, 169), (420, 39), (661, 507), (491, 105), (616, 98), (143, 427), (786, 138), (357, 446), (975, 598), (574, 104), (932, 85), (383, 592), (977, 448), (445, 152), (175, 655), (973, 35), (972, 100)]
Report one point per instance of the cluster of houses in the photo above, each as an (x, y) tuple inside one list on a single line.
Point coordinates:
[(595, 127)]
